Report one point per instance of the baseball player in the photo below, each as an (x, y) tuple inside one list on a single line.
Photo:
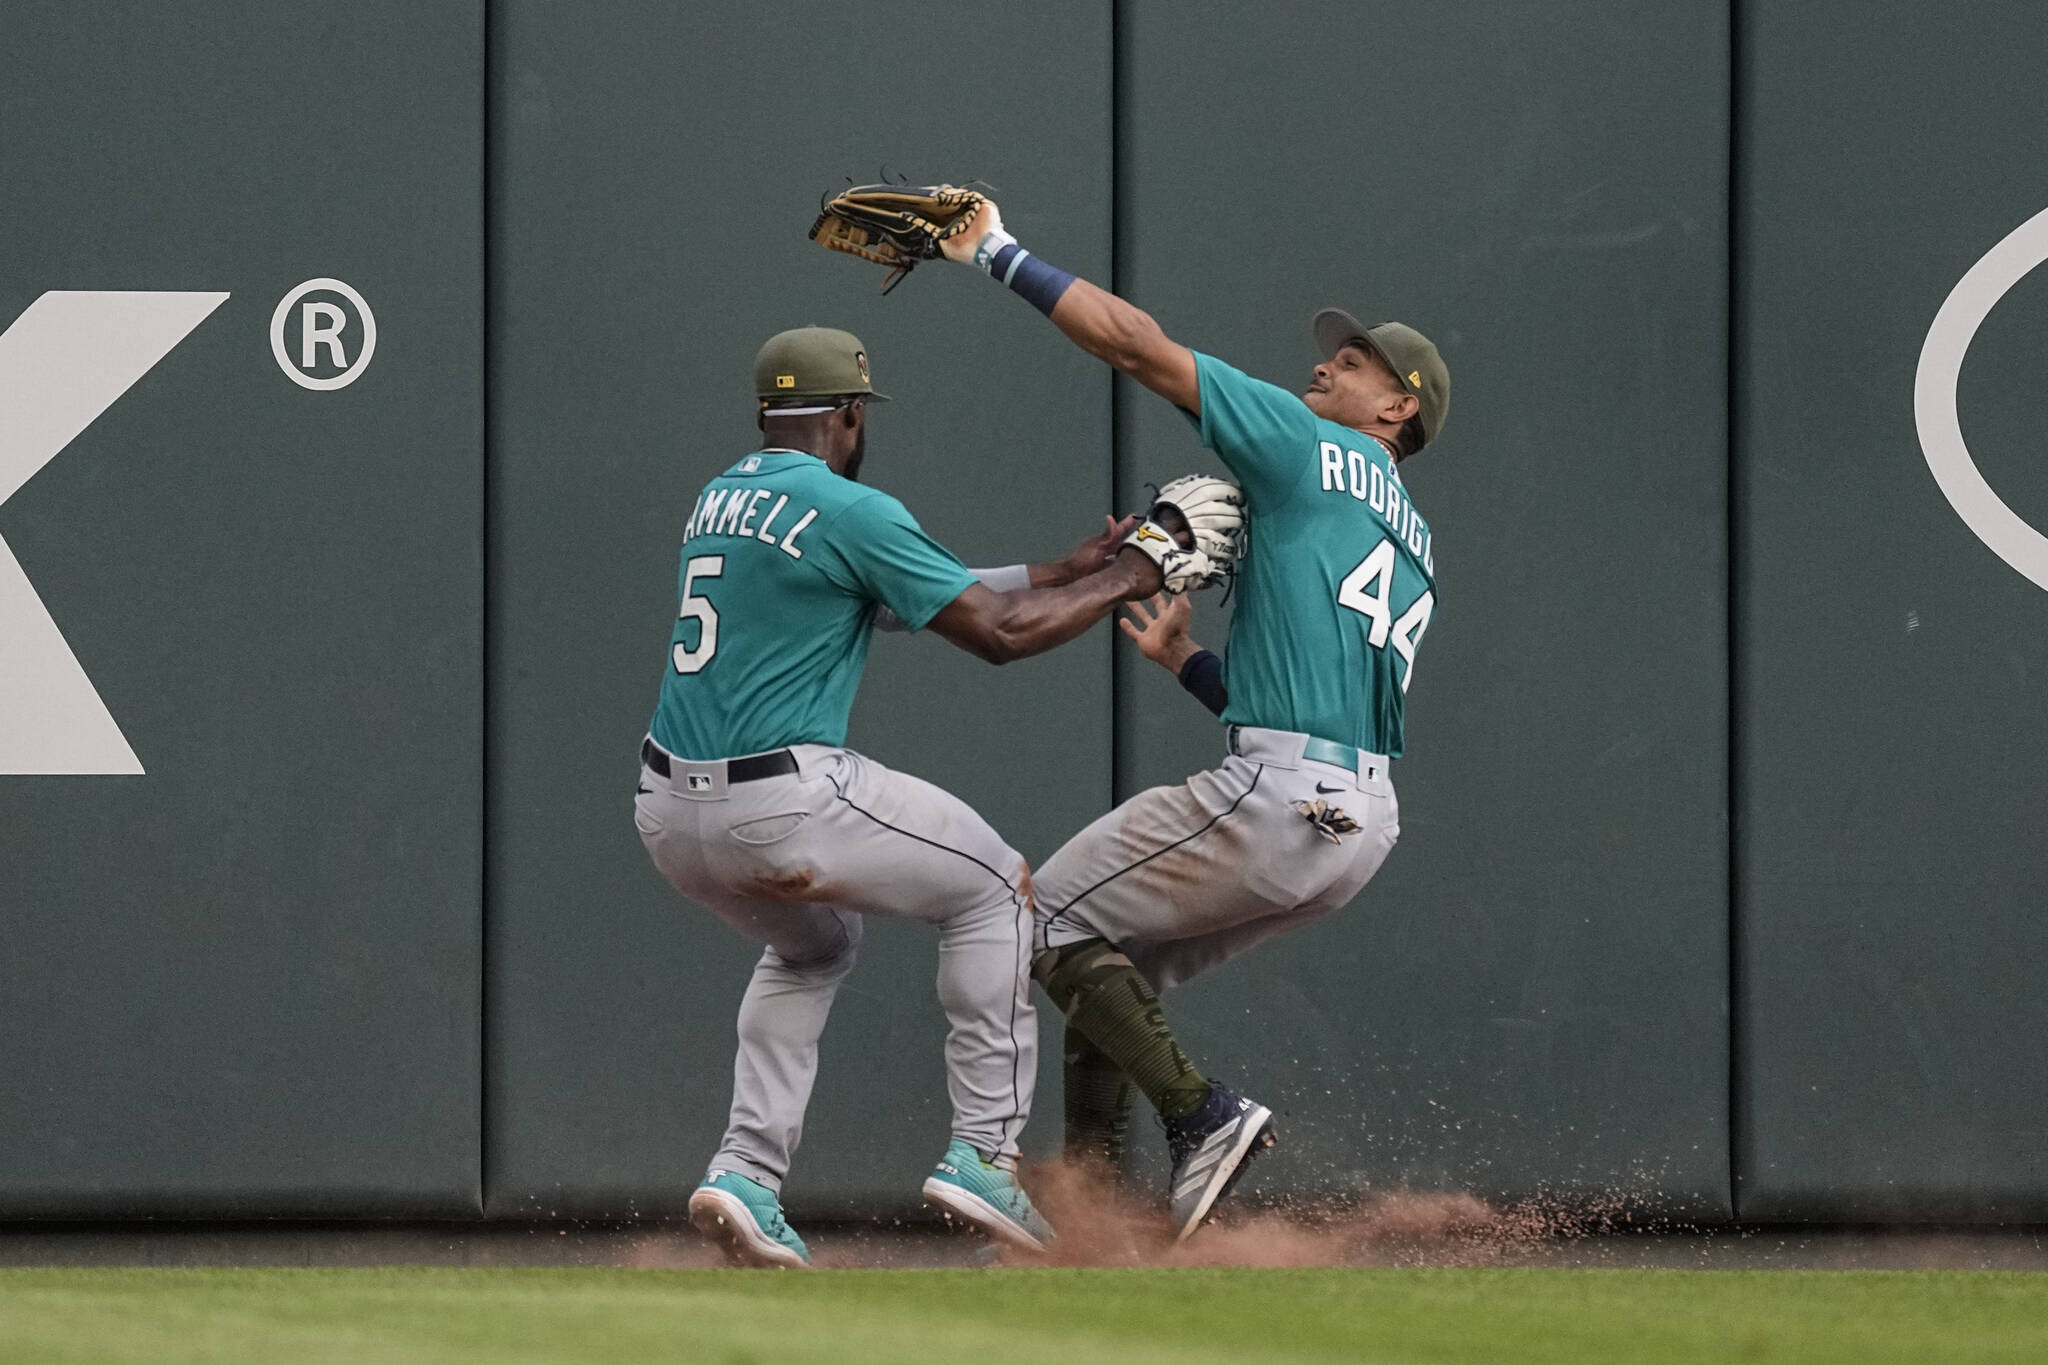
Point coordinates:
[(1334, 595), (750, 804)]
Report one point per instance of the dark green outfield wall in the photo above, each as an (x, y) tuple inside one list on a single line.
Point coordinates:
[(1892, 670), (248, 981), (372, 935)]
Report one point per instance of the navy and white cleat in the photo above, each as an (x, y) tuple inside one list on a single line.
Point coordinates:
[(1211, 1149)]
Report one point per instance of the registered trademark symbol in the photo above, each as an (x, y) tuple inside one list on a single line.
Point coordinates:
[(335, 332)]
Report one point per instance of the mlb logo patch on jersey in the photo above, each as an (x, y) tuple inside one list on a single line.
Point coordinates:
[(750, 464), (699, 782)]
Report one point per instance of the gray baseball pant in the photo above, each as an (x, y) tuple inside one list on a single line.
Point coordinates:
[(793, 862), (1182, 879)]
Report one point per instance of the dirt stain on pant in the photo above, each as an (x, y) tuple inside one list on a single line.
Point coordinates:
[(800, 884)]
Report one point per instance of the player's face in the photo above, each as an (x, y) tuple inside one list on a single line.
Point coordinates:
[(860, 441), (1353, 388)]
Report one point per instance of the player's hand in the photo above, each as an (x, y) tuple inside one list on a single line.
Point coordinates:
[(1094, 554), (1159, 627), (960, 247)]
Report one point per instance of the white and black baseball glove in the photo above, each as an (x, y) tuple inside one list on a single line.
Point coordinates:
[(1194, 531)]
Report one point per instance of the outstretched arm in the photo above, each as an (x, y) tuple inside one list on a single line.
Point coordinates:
[(1005, 626), (1100, 323), (1126, 337), (1091, 556)]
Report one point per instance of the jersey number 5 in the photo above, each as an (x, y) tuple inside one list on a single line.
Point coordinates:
[(1366, 589), (700, 610)]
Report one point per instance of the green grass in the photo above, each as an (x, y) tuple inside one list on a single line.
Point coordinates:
[(1116, 1317)]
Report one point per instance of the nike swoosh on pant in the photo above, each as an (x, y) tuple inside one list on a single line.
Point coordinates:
[(1327, 790)]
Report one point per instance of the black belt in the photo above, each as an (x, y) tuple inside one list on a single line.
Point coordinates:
[(753, 768)]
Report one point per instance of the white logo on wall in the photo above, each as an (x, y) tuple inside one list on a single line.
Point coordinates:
[(323, 335), (66, 360), (1934, 398)]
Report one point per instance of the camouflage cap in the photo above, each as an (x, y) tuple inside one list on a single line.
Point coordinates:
[(1409, 354), (813, 362)]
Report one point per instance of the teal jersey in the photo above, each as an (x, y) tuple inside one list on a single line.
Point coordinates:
[(783, 564), (1339, 581)]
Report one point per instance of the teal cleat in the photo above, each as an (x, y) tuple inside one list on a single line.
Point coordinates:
[(745, 1218), (988, 1196)]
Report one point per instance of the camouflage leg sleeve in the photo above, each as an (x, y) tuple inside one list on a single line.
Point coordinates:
[(1108, 1002), (1098, 1104)]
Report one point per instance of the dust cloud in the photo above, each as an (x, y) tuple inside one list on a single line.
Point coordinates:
[(1101, 1225)]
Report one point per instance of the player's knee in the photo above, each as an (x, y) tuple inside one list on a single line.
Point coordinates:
[(828, 955), (1069, 971), (1002, 900)]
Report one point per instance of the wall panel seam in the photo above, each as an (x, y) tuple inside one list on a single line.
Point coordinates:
[(1120, 756), (1732, 600), (488, 640)]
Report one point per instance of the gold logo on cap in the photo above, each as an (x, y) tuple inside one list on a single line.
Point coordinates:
[(785, 381), (860, 359), (1415, 378)]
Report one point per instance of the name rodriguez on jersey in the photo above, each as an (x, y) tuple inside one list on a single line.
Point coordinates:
[(1349, 471)]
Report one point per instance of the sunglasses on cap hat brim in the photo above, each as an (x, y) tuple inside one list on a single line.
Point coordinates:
[(813, 409)]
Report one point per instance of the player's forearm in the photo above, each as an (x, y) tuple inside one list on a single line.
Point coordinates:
[(1057, 573), (1039, 619), (1116, 332), (1120, 334), (1050, 573), (1094, 319)]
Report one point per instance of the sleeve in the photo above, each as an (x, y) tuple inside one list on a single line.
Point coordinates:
[(1264, 433), (1009, 578), (895, 562), (1202, 676)]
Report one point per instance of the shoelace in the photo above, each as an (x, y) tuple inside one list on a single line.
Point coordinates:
[(778, 1227), (1177, 1144), (1180, 1144), (1017, 1202)]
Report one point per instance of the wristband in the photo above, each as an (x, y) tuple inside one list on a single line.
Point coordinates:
[(1040, 283), (991, 242), (1202, 675)]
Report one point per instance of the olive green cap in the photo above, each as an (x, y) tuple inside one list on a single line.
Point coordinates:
[(813, 362), (1411, 355)]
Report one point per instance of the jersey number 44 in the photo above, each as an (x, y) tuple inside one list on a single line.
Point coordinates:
[(1366, 590)]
